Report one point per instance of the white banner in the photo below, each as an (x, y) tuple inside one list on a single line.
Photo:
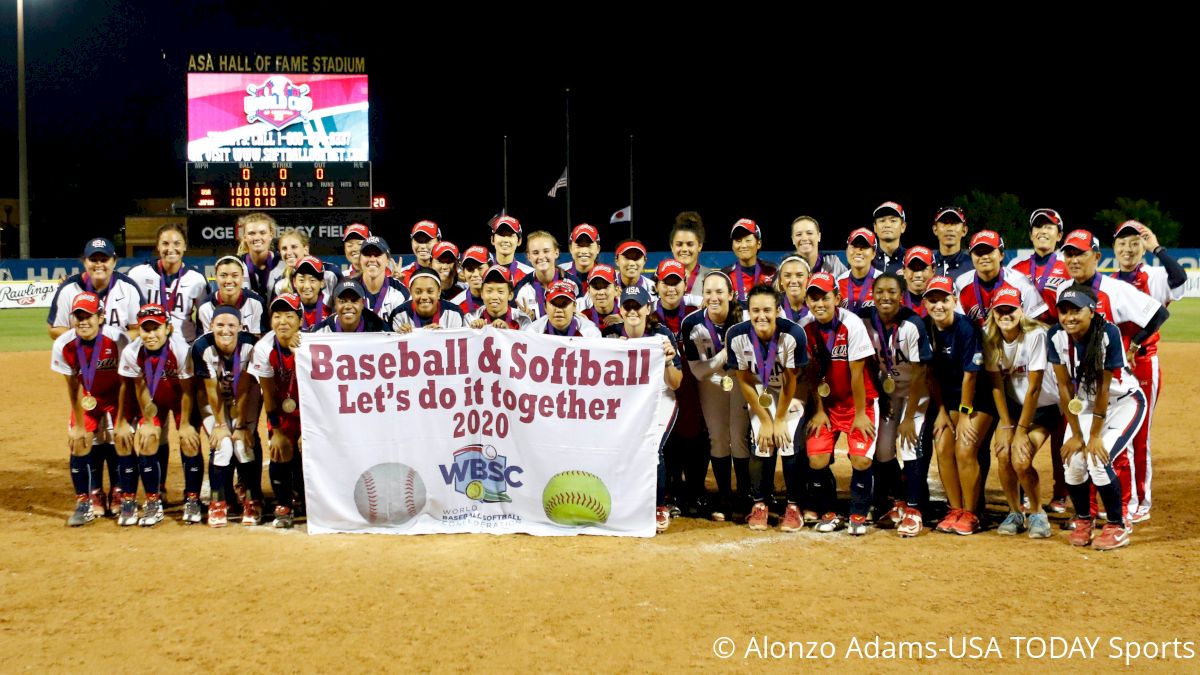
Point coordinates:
[(25, 294), (494, 431)]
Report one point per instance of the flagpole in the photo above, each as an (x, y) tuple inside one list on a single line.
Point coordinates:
[(570, 187), (506, 175), (631, 186)]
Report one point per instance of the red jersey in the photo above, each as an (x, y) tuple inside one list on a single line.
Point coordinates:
[(857, 293), (834, 346), (106, 383), (1047, 276), (1127, 307), (137, 363)]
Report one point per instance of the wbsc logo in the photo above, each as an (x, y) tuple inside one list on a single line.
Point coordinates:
[(277, 103), (481, 474)]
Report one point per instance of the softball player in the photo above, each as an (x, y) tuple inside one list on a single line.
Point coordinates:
[(791, 284), (1014, 353), (889, 223), (1098, 395), (542, 251), (119, 295), (87, 357), (229, 404), (768, 351), (273, 364), (902, 346), (1165, 284), (584, 248), (293, 247), (724, 408), (631, 255), (1044, 268), (918, 270), (977, 288), (445, 263), (424, 236), (806, 237), (497, 310), (156, 368), (426, 309), (257, 231), (749, 271), (350, 314), (600, 304), (949, 227), (506, 239), (231, 275), (309, 282), (474, 265), (671, 290), (673, 306), (385, 293), (560, 316), (171, 283), (687, 241), (854, 286), (353, 236), (845, 403)]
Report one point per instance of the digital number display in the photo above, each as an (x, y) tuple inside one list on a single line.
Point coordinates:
[(214, 186)]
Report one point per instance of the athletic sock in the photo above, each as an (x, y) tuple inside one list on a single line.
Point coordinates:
[(912, 483), (216, 481), (757, 469), (127, 475), (164, 460), (193, 472), (822, 489), (741, 469), (1111, 496), (794, 479), (81, 473), (722, 466), (281, 482), (251, 477), (108, 456), (660, 488), (696, 471), (861, 483), (95, 468), (297, 478), (151, 475), (887, 484), (1081, 499)]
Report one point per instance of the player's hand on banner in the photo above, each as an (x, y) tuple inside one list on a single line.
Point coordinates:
[(405, 328)]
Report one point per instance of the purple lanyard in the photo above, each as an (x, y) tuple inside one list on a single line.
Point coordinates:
[(472, 305), (87, 280), (513, 269), (260, 276), (572, 330), (1096, 281), (377, 298), (158, 366), (319, 309), (169, 298), (1044, 276), (692, 278), (737, 278), (419, 322), (88, 367), (766, 364), (829, 341), (594, 314), (887, 343), (279, 372), (794, 314), (985, 306), (676, 313), (817, 266), (1130, 276), (337, 326), (237, 364), (712, 333), (858, 292), (906, 300)]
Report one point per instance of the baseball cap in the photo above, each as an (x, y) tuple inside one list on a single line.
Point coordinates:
[(1081, 240), (748, 225), (218, 310), (152, 313), (286, 302), (1125, 227), (477, 254), (1075, 298), (670, 267), (948, 214), (497, 271), (443, 248), (939, 285), (560, 289), (230, 259), (987, 238), (506, 221), (1045, 216), (310, 265), (355, 230), (424, 272), (861, 233), (918, 253), (604, 272), (584, 230), (1006, 296), (884, 208), (427, 228), (821, 281), (99, 245), (623, 249), (376, 242), (635, 294), (349, 285), (87, 302)]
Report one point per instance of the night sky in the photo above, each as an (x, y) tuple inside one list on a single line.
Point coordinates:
[(732, 116)]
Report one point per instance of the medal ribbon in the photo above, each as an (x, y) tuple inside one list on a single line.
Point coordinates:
[(794, 314), (829, 341), (260, 277), (712, 333), (985, 302), (765, 362), (377, 298), (87, 367), (318, 310), (169, 298), (572, 329), (886, 344), (1044, 275), (1074, 368), (858, 291), (154, 373), (291, 379), (420, 323), (737, 279), (337, 326), (1131, 275), (237, 365)]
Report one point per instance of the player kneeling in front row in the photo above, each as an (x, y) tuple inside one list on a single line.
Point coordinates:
[(426, 309), (156, 367), (274, 364), (768, 351), (350, 313), (845, 403), (497, 294), (560, 316), (1100, 395)]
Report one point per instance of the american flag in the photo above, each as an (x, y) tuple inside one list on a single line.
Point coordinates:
[(561, 183)]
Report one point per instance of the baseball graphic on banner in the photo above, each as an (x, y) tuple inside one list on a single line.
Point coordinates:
[(576, 498), (389, 494)]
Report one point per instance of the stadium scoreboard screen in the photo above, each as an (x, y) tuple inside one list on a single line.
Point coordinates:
[(277, 132)]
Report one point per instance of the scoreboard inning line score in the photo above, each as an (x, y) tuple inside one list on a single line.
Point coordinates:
[(214, 186)]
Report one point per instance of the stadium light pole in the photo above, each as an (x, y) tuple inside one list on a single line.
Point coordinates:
[(22, 143)]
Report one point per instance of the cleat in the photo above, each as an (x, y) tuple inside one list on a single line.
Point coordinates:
[(1081, 531), (1039, 526), (967, 524), (84, 512), (674, 511), (1014, 523), (791, 521), (129, 511), (1113, 536), (152, 511), (947, 523), (284, 519), (1141, 516), (858, 525), (830, 522), (116, 498), (252, 512), (910, 522), (721, 510), (757, 520), (217, 514), (662, 518), (98, 504), (191, 508), (892, 518), (811, 517), (1057, 505)]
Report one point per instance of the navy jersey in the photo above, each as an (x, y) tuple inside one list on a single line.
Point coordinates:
[(957, 350), (209, 363), (1062, 351), (369, 322), (447, 315), (791, 349)]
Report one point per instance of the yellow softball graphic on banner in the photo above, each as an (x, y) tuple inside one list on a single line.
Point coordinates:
[(576, 498)]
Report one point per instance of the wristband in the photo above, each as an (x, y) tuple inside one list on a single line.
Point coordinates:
[(1023, 426), (966, 409), (1006, 427), (273, 419)]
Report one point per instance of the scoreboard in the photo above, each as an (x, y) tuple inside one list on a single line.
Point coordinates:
[(214, 186)]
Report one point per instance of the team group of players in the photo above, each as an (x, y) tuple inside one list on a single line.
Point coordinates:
[(907, 352)]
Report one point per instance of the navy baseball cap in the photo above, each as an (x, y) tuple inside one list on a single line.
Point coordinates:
[(349, 286), (218, 310), (635, 294), (99, 245), (1076, 298), (376, 242)]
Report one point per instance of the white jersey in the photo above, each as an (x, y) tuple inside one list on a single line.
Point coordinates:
[(583, 327), (905, 344), (1156, 284), (516, 319), (1031, 299), (187, 290), (131, 365), (532, 293), (1028, 353), (448, 316), (122, 300), (1123, 382), (59, 364), (250, 305), (791, 350), (705, 353), (387, 299), (278, 282), (1120, 302), (209, 364)]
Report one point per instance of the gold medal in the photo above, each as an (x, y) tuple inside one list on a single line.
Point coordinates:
[(727, 383), (1075, 406), (889, 385), (289, 405), (765, 400), (823, 389), (150, 410), (88, 402)]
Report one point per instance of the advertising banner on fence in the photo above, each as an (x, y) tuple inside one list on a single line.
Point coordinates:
[(492, 431), (24, 294)]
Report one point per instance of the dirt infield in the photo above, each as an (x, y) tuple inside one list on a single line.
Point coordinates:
[(179, 598)]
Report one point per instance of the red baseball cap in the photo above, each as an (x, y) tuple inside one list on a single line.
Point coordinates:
[(918, 253), (601, 271), (670, 267), (888, 206), (1082, 240), (1045, 215), (584, 230), (443, 248), (507, 221), (497, 271), (152, 313), (948, 213), (87, 302), (631, 245), (939, 285), (477, 254), (1007, 296), (427, 228), (288, 302), (1134, 225), (861, 233), (355, 230), (309, 262), (748, 225), (822, 281), (560, 289), (987, 238)]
